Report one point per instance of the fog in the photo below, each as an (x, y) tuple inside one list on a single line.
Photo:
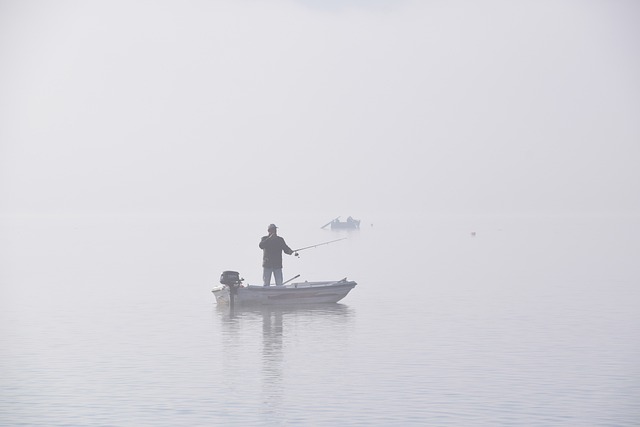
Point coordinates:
[(146, 145), (355, 107)]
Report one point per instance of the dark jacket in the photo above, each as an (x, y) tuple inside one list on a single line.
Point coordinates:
[(272, 251)]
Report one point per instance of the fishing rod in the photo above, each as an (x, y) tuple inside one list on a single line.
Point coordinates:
[(294, 277), (335, 219), (314, 246)]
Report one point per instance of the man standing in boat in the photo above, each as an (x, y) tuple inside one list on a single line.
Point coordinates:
[(272, 247)]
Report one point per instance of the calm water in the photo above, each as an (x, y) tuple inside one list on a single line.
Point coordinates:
[(109, 321)]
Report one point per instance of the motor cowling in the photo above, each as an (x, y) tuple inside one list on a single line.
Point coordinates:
[(230, 278)]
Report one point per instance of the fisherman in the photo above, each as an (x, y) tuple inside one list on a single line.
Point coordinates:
[(272, 247)]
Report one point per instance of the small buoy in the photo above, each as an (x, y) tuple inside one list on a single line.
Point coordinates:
[(473, 234)]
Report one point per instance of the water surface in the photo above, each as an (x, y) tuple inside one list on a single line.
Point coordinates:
[(531, 321)]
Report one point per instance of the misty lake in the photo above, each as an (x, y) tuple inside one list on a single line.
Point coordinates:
[(474, 321)]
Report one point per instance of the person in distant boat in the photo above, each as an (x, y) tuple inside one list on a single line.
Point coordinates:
[(272, 248)]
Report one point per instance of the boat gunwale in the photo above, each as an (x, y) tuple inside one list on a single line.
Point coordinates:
[(301, 286)]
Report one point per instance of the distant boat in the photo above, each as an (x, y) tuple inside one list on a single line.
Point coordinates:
[(288, 294), (349, 224)]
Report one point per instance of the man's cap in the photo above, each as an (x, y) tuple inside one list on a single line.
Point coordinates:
[(272, 227)]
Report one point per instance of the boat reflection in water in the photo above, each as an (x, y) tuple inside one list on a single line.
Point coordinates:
[(274, 345)]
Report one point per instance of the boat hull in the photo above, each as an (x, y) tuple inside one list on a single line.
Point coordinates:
[(292, 294), (353, 225)]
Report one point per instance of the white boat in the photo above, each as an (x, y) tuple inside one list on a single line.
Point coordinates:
[(349, 224), (288, 294)]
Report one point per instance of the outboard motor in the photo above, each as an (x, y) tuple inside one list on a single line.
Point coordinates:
[(233, 281), (230, 278)]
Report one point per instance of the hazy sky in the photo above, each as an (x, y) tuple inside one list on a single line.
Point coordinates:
[(349, 107)]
